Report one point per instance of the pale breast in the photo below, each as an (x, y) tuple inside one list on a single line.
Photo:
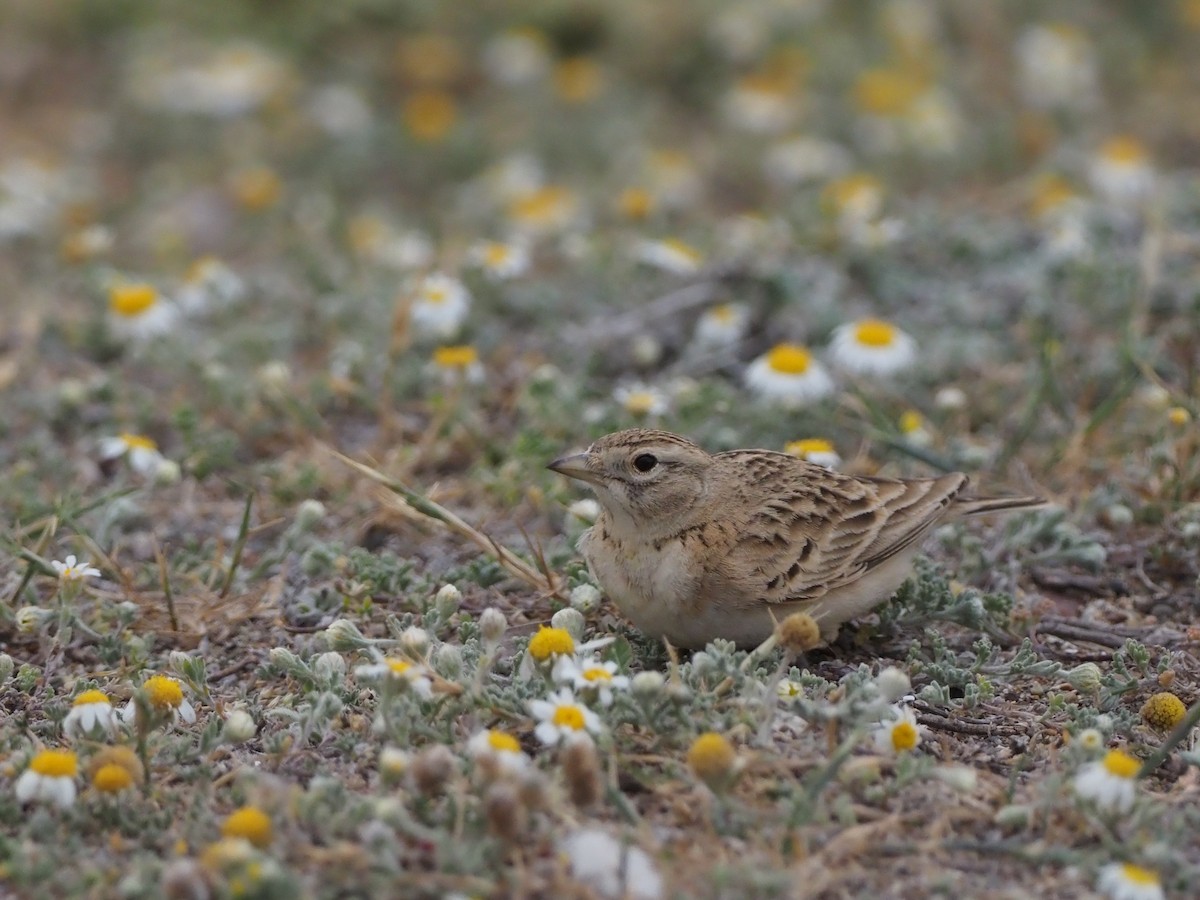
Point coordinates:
[(653, 586)]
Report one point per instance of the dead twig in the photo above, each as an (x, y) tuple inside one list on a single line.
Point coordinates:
[(407, 501)]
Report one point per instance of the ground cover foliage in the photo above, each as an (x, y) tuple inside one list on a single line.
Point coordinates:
[(300, 298)]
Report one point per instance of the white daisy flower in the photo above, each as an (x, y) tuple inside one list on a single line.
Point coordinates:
[(789, 689), (563, 719), (374, 239), (517, 56), (1056, 67), (500, 750), (914, 428), (593, 675), (669, 254), (501, 260), (815, 450), (610, 867), (872, 347), (140, 451), (899, 733), (209, 285), (138, 312), (1110, 782), (439, 306), (586, 510), (722, 326), (50, 777), (91, 711), (70, 570), (787, 374), (1121, 171), (398, 672), (339, 110), (1126, 881), (641, 401)]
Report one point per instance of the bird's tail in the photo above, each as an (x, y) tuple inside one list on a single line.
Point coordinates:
[(977, 506)]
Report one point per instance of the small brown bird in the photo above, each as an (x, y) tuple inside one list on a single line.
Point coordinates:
[(693, 546)]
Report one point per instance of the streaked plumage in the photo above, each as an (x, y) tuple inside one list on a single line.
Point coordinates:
[(694, 546)]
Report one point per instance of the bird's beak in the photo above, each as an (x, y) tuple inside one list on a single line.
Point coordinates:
[(574, 466)]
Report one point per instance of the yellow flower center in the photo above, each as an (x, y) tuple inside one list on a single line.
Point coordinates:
[(678, 247), (904, 736), (808, 446), (111, 778), (789, 359), (250, 823), (724, 313), (458, 357), (430, 115), (163, 692), (200, 269), (1164, 710), (1121, 764), (496, 254), (1177, 415), (1124, 150), (131, 300), (1139, 875), (257, 189), (550, 642), (503, 742), (55, 763), (640, 403), (887, 92), (711, 756), (88, 697), (875, 333), (398, 666), (578, 79), (635, 203), (437, 296), (597, 673), (542, 206), (137, 442), (1051, 192), (911, 421), (859, 190), (569, 717)]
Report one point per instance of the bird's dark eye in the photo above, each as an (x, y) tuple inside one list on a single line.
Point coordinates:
[(644, 462)]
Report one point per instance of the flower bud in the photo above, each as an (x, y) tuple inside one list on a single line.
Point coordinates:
[(6, 667), (585, 510), (284, 658), (585, 599), (492, 626), (892, 684), (31, 618), (581, 772), (309, 514), (647, 684), (448, 661), (239, 727), (167, 471), (414, 642), (569, 620), (506, 814), (330, 667), (432, 768), (447, 601), (1085, 678), (343, 635), (394, 764)]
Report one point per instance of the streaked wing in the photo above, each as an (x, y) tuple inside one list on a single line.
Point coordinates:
[(813, 530)]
